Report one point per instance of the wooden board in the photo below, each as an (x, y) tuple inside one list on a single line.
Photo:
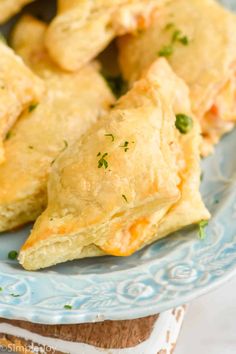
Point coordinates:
[(122, 334), (156, 333)]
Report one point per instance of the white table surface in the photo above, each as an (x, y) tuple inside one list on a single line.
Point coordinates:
[(209, 326)]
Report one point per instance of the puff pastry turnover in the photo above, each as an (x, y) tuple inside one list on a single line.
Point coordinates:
[(9, 8), (19, 87), (197, 37), (83, 28), (71, 103), (132, 179)]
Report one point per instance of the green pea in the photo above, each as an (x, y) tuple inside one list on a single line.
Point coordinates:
[(183, 123), (12, 255)]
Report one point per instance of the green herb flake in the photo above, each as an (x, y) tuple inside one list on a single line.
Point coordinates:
[(202, 232), (183, 123), (179, 37), (12, 255), (169, 26), (102, 162), (176, 35), (184, 40), (15, 295), (65, 146), (68, 307), (1, 289), (125, 146), (112, 136), (8, 135), (166, 51), (32, 107), (125, 198)]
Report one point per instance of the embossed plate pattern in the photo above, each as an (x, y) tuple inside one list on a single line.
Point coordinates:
[(166, 274)]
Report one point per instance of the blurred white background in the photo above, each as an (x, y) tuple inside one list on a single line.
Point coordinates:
[(209, 326)]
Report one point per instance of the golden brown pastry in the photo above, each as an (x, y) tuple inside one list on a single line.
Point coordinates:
[(72, 102), (132, 179), (19, 88), (197, 37), (9, 8), (83, 28)]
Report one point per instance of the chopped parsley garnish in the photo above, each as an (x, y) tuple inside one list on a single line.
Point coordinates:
[(184, 40), (166, 51), (15, 295), (125, 146), (183, 123), (65, 146), (169, 26), (177, 37), (32, 107), (68, 307), (102, 162), (202, 225), (8, 135), (111, 135), (125, 198), (12, 255), (1, 289), (117, 84)]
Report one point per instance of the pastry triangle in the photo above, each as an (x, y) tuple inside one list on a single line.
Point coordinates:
[(19, 88), (197, 38), (113, 190), (70, 105), (83, 28)]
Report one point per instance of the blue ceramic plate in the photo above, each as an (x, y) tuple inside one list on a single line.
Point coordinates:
[(166, 274)]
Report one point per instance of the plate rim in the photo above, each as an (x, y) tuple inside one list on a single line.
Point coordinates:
[(73, 317)]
